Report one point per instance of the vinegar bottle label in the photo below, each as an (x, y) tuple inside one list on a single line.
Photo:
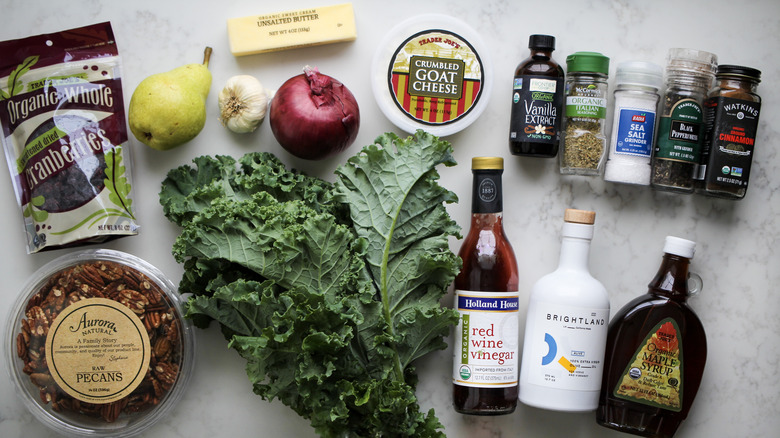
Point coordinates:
[(486, 339), (566, 346), (654, 377)]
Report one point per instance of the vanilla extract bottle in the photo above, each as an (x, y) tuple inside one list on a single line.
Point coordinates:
[(566, 327), (656, 351), (485, 365), (537, 101)]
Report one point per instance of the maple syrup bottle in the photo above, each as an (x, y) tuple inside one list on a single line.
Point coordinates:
[(656, 350), (485, 365)]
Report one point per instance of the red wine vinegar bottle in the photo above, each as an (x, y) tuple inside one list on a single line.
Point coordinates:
[(485, 366)]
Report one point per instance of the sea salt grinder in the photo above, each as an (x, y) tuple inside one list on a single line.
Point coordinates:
[(633, 123)]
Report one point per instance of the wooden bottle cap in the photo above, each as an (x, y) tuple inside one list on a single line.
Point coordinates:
[(579, 216)]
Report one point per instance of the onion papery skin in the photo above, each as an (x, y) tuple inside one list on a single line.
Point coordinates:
[(314, 116)]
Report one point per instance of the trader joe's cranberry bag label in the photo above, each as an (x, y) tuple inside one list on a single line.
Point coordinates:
[(65, 136)]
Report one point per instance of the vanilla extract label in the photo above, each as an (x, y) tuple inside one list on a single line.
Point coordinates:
[(486, 339), (537, 107)]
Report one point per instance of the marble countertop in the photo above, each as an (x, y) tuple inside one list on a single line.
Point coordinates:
[(737, 254)]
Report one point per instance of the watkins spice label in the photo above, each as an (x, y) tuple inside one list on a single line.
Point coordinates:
[(436, 77), (654, 377), (486, 339), (731, 138), (65, 136)]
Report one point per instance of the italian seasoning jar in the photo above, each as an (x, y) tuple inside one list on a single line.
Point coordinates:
[(633, 122), (677, 152), (584, 140), (731, 114)]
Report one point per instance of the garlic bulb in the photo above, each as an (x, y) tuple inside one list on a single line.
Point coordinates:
[(242, 103)]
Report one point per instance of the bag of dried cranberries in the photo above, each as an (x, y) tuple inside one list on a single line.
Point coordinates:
[(65, 136)]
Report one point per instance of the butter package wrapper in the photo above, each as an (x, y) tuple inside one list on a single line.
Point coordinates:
[(291, 29)]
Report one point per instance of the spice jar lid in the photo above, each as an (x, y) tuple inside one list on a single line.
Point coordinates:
[(739, 70), (640, 73), (541, 42), (587, 62), (681, 247), (692, 61)]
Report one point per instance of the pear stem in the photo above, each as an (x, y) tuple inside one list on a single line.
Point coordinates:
[(206, 56)]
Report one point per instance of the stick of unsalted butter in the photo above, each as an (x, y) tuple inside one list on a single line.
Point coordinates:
[(291, 29)]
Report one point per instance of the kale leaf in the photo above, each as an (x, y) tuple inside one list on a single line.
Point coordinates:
[(330, 291)]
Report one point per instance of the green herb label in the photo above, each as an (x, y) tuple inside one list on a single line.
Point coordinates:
[(680, 133), (537, 103), (586, 101)]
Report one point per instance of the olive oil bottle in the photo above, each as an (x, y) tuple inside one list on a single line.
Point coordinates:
[(566, 327)]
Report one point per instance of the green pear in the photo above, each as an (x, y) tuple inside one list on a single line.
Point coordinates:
[(169, 109)]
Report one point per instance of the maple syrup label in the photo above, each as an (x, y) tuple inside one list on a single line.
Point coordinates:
[(654, 377), (486, 339)]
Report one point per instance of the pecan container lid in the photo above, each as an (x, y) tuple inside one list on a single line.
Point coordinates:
[(97, 344)]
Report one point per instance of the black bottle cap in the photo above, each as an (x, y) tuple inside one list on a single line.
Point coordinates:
[(738, 70), (545, 42)]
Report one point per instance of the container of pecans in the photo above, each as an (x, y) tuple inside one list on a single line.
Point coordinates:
[(97, 344)]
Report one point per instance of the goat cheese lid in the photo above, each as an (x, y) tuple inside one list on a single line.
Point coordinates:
[(432, 72)]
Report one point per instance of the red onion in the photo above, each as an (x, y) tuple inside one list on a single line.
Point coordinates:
[(313, 115)]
